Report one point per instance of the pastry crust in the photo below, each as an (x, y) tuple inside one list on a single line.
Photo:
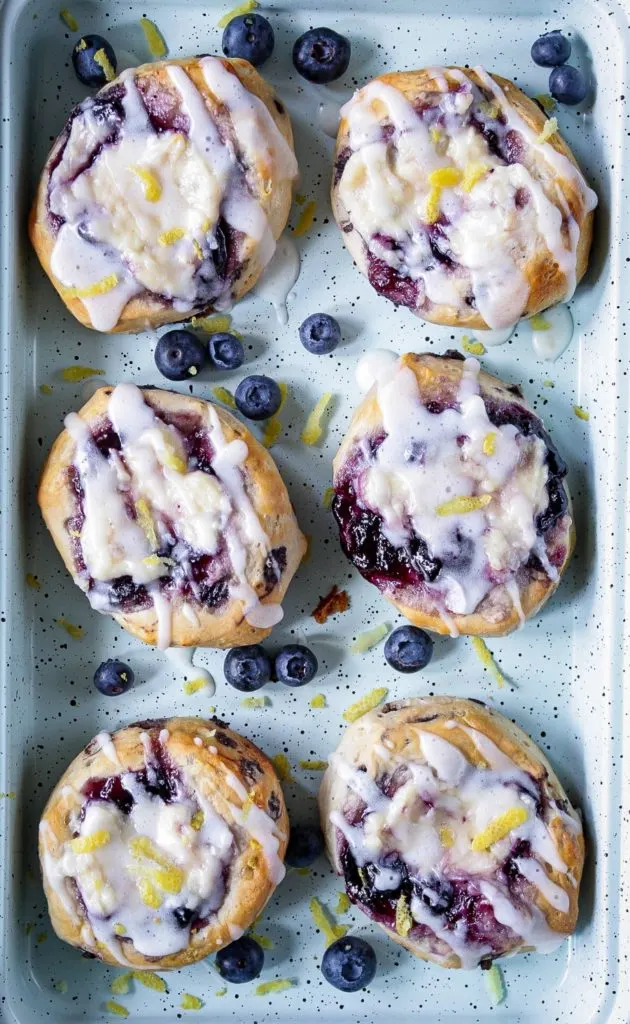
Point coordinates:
[(546, 280), (225, 626), (397, 726), (146, 311), (438, 377), (207, 768)]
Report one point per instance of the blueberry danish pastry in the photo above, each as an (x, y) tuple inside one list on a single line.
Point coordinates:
[(171, 518), (162, 843), (452, 831), (450, 497), (458, 199), (165, 193)]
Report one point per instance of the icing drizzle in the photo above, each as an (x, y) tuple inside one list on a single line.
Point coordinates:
[(150, 514), (454, 196), (407, 831), (147, 202)]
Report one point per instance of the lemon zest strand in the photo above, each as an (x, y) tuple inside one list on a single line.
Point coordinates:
[(120, 984), (116, 1008), (318, 701), (550, 128), (581, 413), (485, 657), (194, 685), (283, 768), (489, 445), (244, 8), (329, 929), (281, 985), (69, 19), (539, 323), (76, 632), (306, 218), (106, 284), (367, 703), (370, 638), (447, 837), (171, 236), (150, 184), (313, 766), (32, 581), (462, 505), (313, 429), (150, 980), (495, 984), (155, 39), (103, 61), (225, 396), (404, 920), (86, 844), (190, 1002), (498, 828), (474, 348)]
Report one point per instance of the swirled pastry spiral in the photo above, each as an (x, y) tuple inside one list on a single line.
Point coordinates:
[(171, 517), (457, 200), (165, 193), (452, 831), (451, 498), (162, 842)]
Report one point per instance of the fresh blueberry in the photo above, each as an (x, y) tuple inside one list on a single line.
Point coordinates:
[(247, 668), (321, 55), (320, 334), (306, 843), (113, 678), (408, 649), (551, 49), (295, 665), (94, 61), (568, 85), (249, 36), (349, 964), (179, 355), (226, 351), (258, 397), (240, 961)]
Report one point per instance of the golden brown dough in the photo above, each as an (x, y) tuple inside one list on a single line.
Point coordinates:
[(267, 179), (545, 277), (194, 621), (469, 782), (502, 609), (204, 769)]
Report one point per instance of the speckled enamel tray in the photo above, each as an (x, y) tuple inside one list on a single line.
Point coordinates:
[(565, 668)]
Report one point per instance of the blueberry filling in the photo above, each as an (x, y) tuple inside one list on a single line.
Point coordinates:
[(275, 564), (158, 778), (389, 282), (198, 577)]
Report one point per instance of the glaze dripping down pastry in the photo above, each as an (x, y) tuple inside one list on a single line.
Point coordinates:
[(456, 200), (162, 842), (171, 517), (450, 496), (165, 193), (452, 831)]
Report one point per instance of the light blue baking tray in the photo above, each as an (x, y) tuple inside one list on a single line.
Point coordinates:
[(566, 667)]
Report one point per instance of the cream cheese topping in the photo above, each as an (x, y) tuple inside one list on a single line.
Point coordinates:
[(490, 235), (433, 822), (428, 459), (187, 509), (142, 216)]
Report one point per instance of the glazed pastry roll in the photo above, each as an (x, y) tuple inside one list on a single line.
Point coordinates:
[(457, 198), (171, 517), (452, 832), (162, 843), (450, 496), (165, 193)]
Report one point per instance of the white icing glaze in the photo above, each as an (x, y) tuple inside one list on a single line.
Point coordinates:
[(498, 337), (182, 659), (260, 826), (443, 793), (375, 367), (550, 342), (109, 877), (113, 225), (406, 490), (385, 186), (202, 510), (279, 277)]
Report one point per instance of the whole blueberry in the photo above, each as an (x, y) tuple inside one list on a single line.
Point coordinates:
[(226, 351), (249, 36), (247, 668), (295, 665), (258, 397), (568, 85), (94, 61), (408, 649), (241, 961), (113, 678), (179, 355), (321, 55), (306, 843), (551, 49), (320, 334), (349, 964)]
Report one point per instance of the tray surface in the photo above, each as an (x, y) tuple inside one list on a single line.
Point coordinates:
[(564, 668)]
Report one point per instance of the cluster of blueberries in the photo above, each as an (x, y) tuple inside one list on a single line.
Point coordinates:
[(320, 55), (566, 83), (180, 355)]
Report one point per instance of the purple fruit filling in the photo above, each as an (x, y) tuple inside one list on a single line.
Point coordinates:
[(196, 576), (390, 283), (159, 778), (456, 902)]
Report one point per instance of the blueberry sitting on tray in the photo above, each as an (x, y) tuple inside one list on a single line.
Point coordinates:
[(94, 61)]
